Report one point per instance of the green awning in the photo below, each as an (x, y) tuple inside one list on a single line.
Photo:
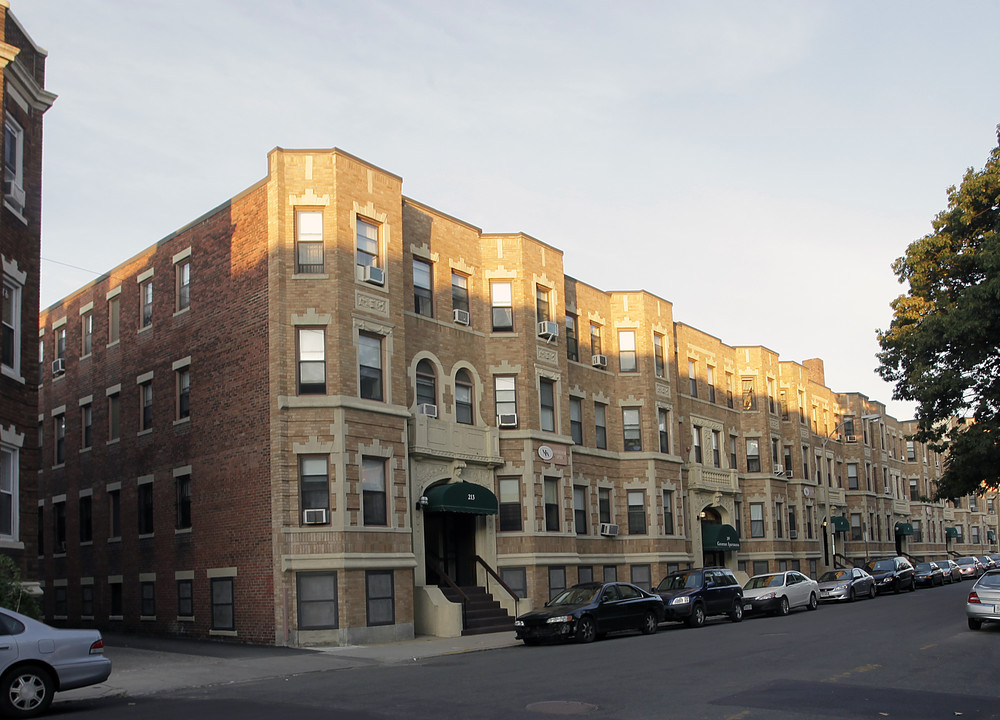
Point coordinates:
[(461, 497), (950, 532), (904, 528), (840, 524), (991, 536), (719, 537)]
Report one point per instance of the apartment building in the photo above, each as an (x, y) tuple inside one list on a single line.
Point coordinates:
[(319, 411), (25, 100)]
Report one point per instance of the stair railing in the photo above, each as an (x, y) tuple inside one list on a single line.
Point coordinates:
[(499, 580), (435, 565)]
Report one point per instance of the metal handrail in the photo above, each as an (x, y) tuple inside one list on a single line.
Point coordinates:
[(436, 567), (500, 582)]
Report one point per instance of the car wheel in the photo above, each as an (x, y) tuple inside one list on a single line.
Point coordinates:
[(649, 624), (697, 617), (851, 594), (975, 624), (26, 692), (783, 606), (872, 591), (913, 585), (586, 631), (813, 601), (736, 614)]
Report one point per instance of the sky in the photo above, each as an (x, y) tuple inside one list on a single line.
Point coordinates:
[(758, 164)]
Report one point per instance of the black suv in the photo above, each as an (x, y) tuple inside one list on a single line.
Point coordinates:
[(894, 574), (693, 595)]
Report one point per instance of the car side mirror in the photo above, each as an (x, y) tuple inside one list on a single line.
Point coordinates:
[(710, 584)]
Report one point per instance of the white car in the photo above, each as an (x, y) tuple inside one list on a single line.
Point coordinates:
[(777, 593), (983, 604)]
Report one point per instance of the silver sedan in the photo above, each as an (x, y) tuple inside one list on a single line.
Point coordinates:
[(846, 584), (37, 660), (984, 600)]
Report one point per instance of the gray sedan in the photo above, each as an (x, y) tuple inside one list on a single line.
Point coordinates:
[(983, 604), (37, 660), (846, 584)]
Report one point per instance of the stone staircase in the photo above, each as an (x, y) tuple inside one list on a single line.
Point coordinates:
[(483, 614)]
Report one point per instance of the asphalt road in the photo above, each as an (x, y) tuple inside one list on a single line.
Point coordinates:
[(898, 656)]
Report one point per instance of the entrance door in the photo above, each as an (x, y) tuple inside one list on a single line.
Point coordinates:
[(450, 539)]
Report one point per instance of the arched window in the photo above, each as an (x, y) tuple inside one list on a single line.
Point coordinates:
[(426, 383), (463, 397)]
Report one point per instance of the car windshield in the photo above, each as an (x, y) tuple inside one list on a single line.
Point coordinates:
[(831, 575), (574, 596), (881, 566), (680, 581), (923, 567), (966, 561), (762, 581), (989, 580)]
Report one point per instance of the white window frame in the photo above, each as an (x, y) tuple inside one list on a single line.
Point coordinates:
[(13, 290), (10, 485)]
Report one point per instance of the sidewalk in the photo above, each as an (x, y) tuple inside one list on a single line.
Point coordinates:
[(144, 666)]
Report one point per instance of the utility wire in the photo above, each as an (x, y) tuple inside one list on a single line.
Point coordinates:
[(75, 267)]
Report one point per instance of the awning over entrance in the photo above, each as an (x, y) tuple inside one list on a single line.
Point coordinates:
[(904, 528), (719, 537), (950, 532), (461, 497), (991, 536), (840, 524)]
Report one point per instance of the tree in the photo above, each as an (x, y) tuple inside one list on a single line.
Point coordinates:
[(12, 593), (942, 349)]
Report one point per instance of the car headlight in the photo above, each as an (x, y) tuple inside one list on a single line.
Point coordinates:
[(519, 623), (767, 596), (680, 600), (840, 587), (560, 619)]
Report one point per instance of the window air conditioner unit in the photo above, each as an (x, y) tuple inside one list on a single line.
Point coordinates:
[(851, 438), (428, 409), (793, 534), (778, 470), (548, 330), (15, 193), (507, 420), (373, 275), (599, 361), (788, 473), (461, 316), (58, 366), (609, 530), (314, 516)]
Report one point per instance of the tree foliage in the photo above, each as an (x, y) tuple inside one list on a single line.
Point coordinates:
[(12, 594), (942, 349)]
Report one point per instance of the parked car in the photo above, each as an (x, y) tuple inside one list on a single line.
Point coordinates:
[(927, 573), (591, 610), (969, 566), (846, 584), (37, 661), (952, 573), (983, 604), (987, 562), (693, 595), (894, 574), (778, 593), (996, 559)]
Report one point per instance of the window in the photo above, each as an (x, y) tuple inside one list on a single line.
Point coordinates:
[(146, 405), (510, 504), (85, 506), (373, 491), (114, 417), (792, 526), (380, 602), (114, 319), (547, 402), (516, 578), (641, 576), (312, 361), (146, 304), (757, 520), (10, 326), (805, 462), (370, 366), (114, 513), (185, 598), (580, 509), (13, 164), (918, 533), (732, 452), (729, 391), (10, 493), (659, 356), (223, 605), (459, 292), (183, 381), (749, 398), (663, 431), (911, 453), (60, 351), (60, 601), (422, 295), (543, 312), (636, 512), (852, 476), (692, 379), (557, 579), (770, 396), (182, 285), (317, 600), (626, 351), (788, 461), (426, 383), (505, 392), (86, 334), (314, 485), (308, 242), (604, 505), (463, 397), (116, 599), (147, 599), (144, 494), (41, 356), (86, 425), (632, 432), (502, 306), (610, 573), (576, 419), (87, 601), (600, 425), (779, 530), (59, 423), (59, 519), (668, 512), (716, 450), (856, 533), (696, 442), (182, 485), (551, 488), (367, 244), (572, 342), (596, 347)]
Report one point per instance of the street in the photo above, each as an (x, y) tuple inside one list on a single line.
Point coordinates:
[(903, 656)]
